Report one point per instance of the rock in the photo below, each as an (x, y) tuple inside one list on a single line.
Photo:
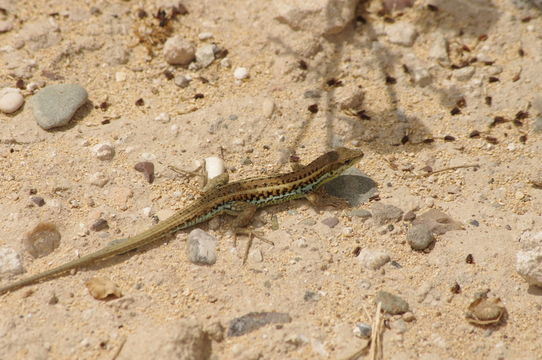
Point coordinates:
[(98, 179), (529, 258), (205, 36), (182, 339), (418, 73), (19, 66), (101, 288), (330, 221), (240, 73), (362, 330), (396, 5), (353, 186), (104, 151), (10, 261), (537, 124), (385, 214), (147, 168), (5, 26), (42, 240), (268, 106), (420, 237), (181, 81), (402, 33), (40, 34), (373, 259), (438, 222), (464, 73), (116, 55), (205, 55), (439, 49), (255, 320), (325, 17), (11, 100), (99, 225), (201, 248), (163, 117), (361, 213), (178, 51), (55, 105), (392, 304), (349, 97), (409, 216)]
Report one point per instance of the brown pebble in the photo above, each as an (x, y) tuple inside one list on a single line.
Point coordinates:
[(147, 168), (42, 240), (98, 225), (38, 200)]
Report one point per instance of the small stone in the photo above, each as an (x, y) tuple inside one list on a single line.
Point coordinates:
[(54, 105), (409, 216), (312, 94), (10, 261), (361, 213), (178, 51), (101, 288), (255, 320), (99, 225), (392, 304), (439, 49), (104, 151), (362, 330), (38, 200), (53, 300), (205, 36), (330, 221), (420, 237), (99, 179), (268, 106), (409, 316), (225, 63), (205, 55), (349, 97), (201, 248), (255, 256), (116, 55), (464, 73), (399, 326), (529, 258), (402, 33), (240, 73), (384, 213), (537, 124), (536, 179), (42, 240), (11, 100), (311, 296), (147, 168), (181, 81), (439, 222), (5, 26), (120, 76), (163, 118), (373, 259)]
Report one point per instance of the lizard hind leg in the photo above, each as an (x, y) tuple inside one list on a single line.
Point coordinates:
[(320, 198)]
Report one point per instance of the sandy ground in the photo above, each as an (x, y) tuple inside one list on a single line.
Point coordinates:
[(257, 122)]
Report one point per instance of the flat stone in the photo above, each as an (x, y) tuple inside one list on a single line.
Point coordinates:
[(205, 55), (420, 237), (392, 304), (385, 213), (255, 320), (54, 105), (373, 259)]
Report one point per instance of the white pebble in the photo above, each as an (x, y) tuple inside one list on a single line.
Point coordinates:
[(120, 76), (179, 51), (163, 118), (11, 100), (225, 63), (205, 36), (146, 211), (402, 33), (148, 156), (240, 73), (181, 81), (10, 261), (214, 166), (104, 151), (511, 147)]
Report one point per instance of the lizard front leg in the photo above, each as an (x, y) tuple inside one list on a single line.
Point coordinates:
[(244, 214)]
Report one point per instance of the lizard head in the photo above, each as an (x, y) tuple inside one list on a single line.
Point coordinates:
[(336, 161)]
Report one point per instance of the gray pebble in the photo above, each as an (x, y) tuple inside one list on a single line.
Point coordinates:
[(181, 81), (373, 259), (104, 151), (255, 320), (99, 179), (330, 221), (38, 200), (178, 51), (537, 124), (363, 330), (392, 304), (409, 216), (42, 240), (201, 248), (385, 213), (99, 225), (361, 213), (10, 261), (402, 33), (353, 186), (205, 55), (312, 94), (420, 237), (311, 296), (308, 222), (55, 105)]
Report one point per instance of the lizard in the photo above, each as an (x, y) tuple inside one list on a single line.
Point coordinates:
[(238, 198)]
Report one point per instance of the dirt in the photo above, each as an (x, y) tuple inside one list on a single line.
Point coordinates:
[(405, 124)]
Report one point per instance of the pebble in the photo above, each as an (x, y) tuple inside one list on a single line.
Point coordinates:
[(373, 259), (42, 240), (120, 76), (464, 73), (385, 213), (361, 213), (181, 81), (268, 106), (312, 94), (104, 151), (537, 124), (536, 179), (439, 49), (420, 237), (349, 96), (225, 63), (99, 225), (102, 287), (98, 179), (205, 55), (255, 256), (116, 55), (5, 26), (147, 168), (330, 221), (362, 330), (529, 258), (10, 261), (201, 247), (402, 33), (410, 215), (392, 304), (163, 118), (439, 222), (205, 36), (311, 296), (55, 105), (255, 320), (179, 51), (38, 200), (399, 326), (240, 73), (11, 100)]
